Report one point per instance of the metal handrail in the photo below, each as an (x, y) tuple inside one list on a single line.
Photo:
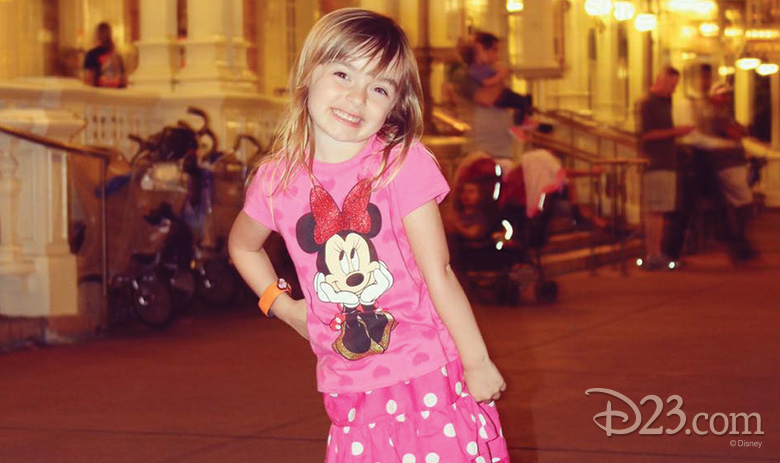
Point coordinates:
[(103, 154), (618, 169)]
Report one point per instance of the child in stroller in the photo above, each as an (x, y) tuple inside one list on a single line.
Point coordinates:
[(501, 223)]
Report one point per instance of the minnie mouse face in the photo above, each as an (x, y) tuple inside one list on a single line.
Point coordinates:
[(350, 261)]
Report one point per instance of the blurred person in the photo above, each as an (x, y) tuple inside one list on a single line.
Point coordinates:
[(489, 76), (690, 178), (721, 139), (657, 143), (103, 67)]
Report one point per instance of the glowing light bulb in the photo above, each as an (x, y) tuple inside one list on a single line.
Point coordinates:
[(623, 11), (645, 22), (725, 70), (766, 69), (708, 29), (598, 7), (748, 63), (514, 6)]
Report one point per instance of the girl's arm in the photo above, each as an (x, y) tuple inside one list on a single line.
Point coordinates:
[(246, 250), (426, 236)]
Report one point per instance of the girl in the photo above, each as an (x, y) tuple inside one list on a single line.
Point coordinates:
[(403, 369)]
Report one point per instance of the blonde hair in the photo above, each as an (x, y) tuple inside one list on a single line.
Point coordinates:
[(341, 36)]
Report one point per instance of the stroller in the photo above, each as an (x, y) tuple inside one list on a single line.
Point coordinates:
[(498, 248), (215, 201), (144, 198)]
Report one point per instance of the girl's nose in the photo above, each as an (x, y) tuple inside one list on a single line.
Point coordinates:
[(357, 95)]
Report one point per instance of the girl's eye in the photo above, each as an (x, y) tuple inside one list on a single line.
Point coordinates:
[(340, 74), (382, 91)]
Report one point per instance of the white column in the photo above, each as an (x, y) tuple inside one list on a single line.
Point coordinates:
[(10, 186), (246, 79), (744, 88), (158, 51), (775, 92), (42, 276), (209, 49)]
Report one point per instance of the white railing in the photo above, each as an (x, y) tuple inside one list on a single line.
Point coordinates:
[(36, 267)]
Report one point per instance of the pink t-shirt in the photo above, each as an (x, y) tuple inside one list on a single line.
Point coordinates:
[(371, 320)]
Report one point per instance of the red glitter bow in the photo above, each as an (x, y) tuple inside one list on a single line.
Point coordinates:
[(328, 220)]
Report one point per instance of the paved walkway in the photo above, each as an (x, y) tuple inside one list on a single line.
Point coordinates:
[(233, 387)]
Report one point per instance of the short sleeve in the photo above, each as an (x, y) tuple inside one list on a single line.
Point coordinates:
[(419, 180), (258, 202)]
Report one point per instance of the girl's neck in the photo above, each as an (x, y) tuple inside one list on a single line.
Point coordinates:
[(333, 152)]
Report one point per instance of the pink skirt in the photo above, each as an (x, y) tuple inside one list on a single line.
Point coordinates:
[(430, 419)]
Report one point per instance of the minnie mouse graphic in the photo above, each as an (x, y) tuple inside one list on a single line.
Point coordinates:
[(349, 273)]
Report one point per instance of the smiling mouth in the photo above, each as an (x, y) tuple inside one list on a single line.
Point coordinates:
[(347, 117)]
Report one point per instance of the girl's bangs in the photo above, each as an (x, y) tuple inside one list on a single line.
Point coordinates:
[(382, 50)]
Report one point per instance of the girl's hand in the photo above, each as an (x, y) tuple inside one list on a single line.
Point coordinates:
[(484, 382), (293, 312)]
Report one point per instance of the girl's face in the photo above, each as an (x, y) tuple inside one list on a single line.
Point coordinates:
[(469, 195), (348, 103)]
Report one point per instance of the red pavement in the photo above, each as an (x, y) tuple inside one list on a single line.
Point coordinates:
[(234, 387)]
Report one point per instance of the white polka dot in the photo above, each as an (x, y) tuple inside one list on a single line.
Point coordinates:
[(371, 425), (473, 418), (501, 432), (425, 414), (492, 403), (482, 433), (430, 399), (351, 416), (454, 406), (391, 406), (458, 388), (391, 442), (333, 394), (328, 439), (495, 459), (444, 371), (471, 448), (369, 392), (401, 417), (479, 460), (431, 458), (357, 448), (346, 429), (406, 382), (449, 430), (482, 419), (409, 458)]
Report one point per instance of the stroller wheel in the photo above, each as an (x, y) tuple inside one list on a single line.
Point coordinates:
[(509, 291), (120, 301), (217, 284), (546, 291), (182, 284), (152, 302)]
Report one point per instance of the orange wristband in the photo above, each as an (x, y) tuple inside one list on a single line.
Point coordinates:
[(270, 294)]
